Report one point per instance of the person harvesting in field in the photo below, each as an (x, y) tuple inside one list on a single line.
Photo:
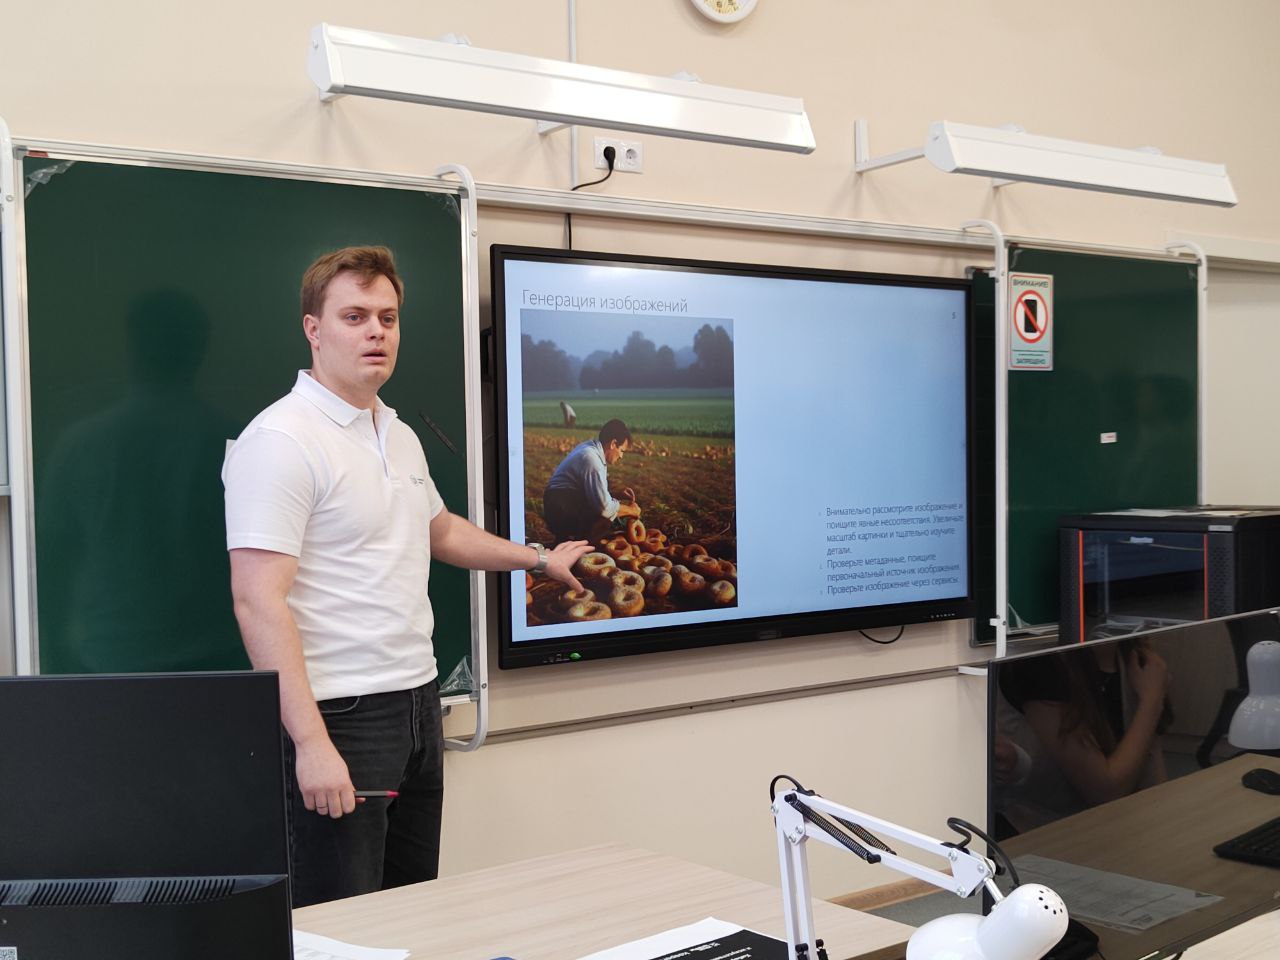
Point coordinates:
[(577, 504)]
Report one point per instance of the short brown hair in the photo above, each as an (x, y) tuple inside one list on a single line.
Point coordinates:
[(367, 263)]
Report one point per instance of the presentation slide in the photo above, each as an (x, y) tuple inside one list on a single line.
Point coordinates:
[(797, 445)]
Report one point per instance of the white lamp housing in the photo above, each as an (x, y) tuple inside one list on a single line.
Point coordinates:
[(1013, 155), (1256, 723), (1022, 926), (343, 60), (1009, 154)]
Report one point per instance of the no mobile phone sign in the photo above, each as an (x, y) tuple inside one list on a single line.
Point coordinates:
[(1030, 321)]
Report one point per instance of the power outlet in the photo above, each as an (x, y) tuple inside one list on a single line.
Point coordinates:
[(629, 157)]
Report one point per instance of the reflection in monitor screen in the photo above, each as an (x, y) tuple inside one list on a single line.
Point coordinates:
[(1111, 780), (143, 817)]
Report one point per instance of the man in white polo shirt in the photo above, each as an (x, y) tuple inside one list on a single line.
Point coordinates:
[(332, 522)]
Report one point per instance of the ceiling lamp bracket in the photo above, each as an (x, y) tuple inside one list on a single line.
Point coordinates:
[(862, 159)]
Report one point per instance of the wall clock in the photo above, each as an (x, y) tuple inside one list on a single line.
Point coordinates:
[(724, 11)]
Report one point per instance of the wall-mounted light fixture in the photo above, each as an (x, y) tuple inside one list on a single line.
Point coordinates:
[(343, 60), (1012, 155)]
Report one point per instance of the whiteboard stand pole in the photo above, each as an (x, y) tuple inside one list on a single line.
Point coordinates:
[(470, 222), (1202, 355), (1001, 619), (17, 454)]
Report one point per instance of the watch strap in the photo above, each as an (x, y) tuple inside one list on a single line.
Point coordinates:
[(541, 565)]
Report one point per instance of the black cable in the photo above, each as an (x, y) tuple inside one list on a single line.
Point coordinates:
[(610, 155), (885, 643), (967, 830), (773, 785)]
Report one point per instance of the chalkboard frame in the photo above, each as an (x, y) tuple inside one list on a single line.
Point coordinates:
[(17, 371)]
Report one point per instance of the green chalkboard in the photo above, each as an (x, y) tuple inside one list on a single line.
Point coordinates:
[(162, 316), (1125, 362)]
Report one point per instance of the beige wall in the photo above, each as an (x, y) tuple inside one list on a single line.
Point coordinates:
[(1242, 456), (696, 785), (1199, 80)]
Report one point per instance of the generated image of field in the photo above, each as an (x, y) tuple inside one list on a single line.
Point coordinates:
[(682, 552), (664, 412)]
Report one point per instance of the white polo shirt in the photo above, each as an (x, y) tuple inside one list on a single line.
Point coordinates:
[(350, 496)]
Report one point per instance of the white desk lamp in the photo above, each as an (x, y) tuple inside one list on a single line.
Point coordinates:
[(1021, 926), (1256, 722)]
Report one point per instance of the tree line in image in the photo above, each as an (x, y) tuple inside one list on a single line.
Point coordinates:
[(639, 364)]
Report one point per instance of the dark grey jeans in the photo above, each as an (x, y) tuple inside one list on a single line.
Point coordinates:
[(390, 741)]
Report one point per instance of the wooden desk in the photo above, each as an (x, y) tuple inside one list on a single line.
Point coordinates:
[(1259, 939), (1167, 834), (568, 905)]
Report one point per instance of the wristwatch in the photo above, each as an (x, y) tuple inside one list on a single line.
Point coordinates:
[(541, 565)]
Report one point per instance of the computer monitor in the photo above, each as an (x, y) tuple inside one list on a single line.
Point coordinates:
[(144, 817), (1110, 780)]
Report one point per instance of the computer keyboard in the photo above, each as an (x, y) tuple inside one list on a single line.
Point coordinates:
[(1259, 845)]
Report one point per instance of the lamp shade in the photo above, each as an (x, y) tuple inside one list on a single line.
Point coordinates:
[(1256, 724), (1022, 926), (994, 152)]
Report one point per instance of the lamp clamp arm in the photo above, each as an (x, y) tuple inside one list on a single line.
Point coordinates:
[(801, 816)]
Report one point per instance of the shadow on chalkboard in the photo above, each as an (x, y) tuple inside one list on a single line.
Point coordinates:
[(123, 485)]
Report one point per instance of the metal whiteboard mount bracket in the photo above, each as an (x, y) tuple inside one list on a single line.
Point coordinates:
[(468, 215), (1001, 249), (1202, 351)]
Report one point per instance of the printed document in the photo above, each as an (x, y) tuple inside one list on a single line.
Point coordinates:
[(1111, 899)]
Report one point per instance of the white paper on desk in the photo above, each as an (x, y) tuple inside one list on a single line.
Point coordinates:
[(678, 942), (312, 946), (1111, 899)]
